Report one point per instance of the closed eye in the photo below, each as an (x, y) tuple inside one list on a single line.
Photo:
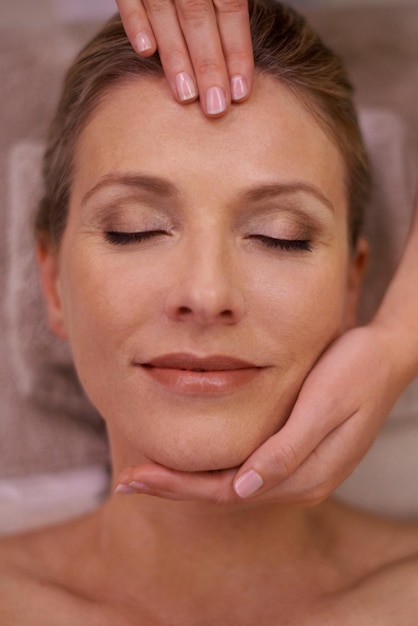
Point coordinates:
[(288, 245), (123, 239)]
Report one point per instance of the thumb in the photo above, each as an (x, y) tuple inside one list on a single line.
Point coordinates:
[(281, 455)]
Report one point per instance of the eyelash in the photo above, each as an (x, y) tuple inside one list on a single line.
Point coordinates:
[(124, 239), (288, 245)]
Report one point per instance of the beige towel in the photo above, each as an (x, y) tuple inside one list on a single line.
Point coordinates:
[(38, 433), (41, 363)]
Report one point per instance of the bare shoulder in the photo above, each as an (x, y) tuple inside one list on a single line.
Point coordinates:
[(379, 558), (387, 597), (375, 541), (25, 599), (33, 589)]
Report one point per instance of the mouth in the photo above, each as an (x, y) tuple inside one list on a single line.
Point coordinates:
[(189, 362), (191, 375)]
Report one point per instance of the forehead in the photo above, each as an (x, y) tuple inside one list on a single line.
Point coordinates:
[(138, 127)]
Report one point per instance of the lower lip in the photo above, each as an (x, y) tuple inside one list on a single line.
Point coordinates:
[(196, 383)]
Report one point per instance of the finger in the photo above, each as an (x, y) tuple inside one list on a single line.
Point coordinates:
[(327, 466), (219, 44), (310, 422), (199, 25), (318, 411), (319, 475), (234, 29), (137, 26), (154, 479), (172, 49), (201, 57)]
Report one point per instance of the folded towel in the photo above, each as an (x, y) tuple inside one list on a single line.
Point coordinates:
[(34, 501), (41, 362)]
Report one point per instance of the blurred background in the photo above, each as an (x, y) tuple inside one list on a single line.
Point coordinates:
[(33, 13)]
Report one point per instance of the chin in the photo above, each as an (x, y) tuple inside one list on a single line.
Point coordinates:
[(202, 462), (204, 456)]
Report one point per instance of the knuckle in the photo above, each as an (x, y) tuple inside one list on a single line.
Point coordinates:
[(154, 7), (224, 496), (230, 6), (320, 485), (237, 58), (317, 494), (207, 67), (221, 499), (285, 460), (195, 10), (134, 21), (173, 58), (134, 18), (237, 55)]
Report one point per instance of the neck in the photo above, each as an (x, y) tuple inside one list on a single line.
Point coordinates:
[(198, 551), (202, 529), (193, 525)]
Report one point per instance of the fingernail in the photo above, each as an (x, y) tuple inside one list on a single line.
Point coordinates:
[(138, 486), (239, 88), (124, 489), (186, 88), (143, 42), (248, 484), (215, 101)]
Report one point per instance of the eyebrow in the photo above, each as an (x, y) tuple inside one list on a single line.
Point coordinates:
[(164, 188), (271, 190), (153, 184)]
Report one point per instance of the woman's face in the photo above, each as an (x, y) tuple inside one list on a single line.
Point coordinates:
[(203, 270)]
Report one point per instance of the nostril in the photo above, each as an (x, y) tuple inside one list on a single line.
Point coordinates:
[(187, 311)]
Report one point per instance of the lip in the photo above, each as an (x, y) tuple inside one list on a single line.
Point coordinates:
[(186, 361), (192, 375)]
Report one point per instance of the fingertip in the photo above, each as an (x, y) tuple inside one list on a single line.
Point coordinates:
[(144, 44), (239, 88), (215, 102), (186, 90), (123, 489), (248, 484)]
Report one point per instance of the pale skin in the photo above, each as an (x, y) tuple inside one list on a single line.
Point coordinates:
[(145, 560), (362, 373)]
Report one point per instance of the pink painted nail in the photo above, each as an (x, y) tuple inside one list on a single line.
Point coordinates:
[(215, 101), (138, 486), (124, 489), (186, 88), (143, 42), (248, 484), (239, 88)]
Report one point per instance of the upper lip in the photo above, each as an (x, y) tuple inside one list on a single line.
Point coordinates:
[(185, 361)]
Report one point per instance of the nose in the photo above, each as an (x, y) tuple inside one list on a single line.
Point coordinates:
[(206, 290)]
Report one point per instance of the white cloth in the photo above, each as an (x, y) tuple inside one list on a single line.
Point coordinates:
[(32, 502)]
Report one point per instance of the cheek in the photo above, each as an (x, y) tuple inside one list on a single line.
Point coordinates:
[(105, 301), (303, 306)]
